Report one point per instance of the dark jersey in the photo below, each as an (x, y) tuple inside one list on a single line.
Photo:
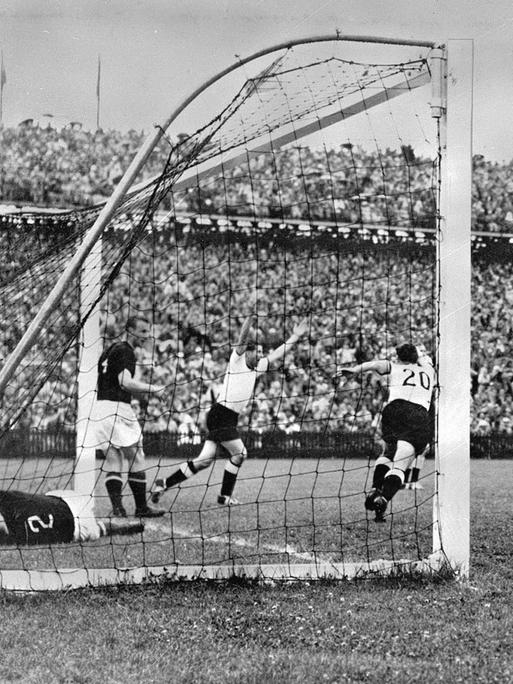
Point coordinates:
[(116, 358), (36, 518)]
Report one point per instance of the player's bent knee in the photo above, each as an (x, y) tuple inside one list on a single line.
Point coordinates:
[(206, 457), (239, 457), (202, 463)]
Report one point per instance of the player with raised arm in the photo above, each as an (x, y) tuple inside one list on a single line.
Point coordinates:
[(222, 419), (115, 428), (58, 517), (405, 421)]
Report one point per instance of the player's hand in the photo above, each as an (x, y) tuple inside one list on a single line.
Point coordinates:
[(342, 373), (345, 372), (158, 389), (301, 328), (423, 354)]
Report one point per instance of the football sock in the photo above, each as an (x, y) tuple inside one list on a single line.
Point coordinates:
[(392, 483), (185, 471), (137, 482), (407, 475), (415, 475), (380, 471), (114, 485), (229, 478)]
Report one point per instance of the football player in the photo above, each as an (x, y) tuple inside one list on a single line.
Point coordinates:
[(239, 382), (58, 517), (113, 425), (405, 422)]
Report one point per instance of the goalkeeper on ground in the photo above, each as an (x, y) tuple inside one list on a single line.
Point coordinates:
[(239, 382), (405, 422), (58, 517)]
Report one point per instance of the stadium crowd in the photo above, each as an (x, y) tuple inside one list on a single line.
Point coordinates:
[(354, 298), (75, 167)]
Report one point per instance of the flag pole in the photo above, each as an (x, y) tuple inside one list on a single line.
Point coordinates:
[(98, 89), (3, 80)]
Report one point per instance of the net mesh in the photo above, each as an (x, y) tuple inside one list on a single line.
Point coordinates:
[(314, 190)]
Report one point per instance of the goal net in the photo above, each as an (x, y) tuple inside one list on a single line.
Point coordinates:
[(313, 188)]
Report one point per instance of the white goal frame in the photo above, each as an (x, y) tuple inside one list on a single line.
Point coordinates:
[(451, 75)]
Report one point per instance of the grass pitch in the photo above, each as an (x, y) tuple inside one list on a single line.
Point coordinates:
[(301, 511), (364, 631)]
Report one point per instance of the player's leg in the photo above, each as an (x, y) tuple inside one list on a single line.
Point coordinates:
[(383, 464), (113, 467), (137, 481), (186, 470), (4, 531), (393, 481), (381, 468), (414, 471), (111, 526), (238, 453)]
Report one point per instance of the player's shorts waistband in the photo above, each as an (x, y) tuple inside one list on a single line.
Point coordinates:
[(225, 408)]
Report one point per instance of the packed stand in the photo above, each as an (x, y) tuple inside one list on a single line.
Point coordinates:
[(73, 167)]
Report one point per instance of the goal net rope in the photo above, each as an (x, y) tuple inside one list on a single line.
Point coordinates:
[(313, 191)]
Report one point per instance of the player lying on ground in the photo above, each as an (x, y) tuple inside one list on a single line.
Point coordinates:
[(222, 419), (58, 517), (405, 421)]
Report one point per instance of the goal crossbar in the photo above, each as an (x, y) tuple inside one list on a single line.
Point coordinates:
[(192, 175)]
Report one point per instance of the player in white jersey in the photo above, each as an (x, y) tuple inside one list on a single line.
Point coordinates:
[(222, 419), (405, 423)]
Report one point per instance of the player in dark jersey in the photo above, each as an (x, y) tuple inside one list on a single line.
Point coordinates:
[(58, 517), (405, 424), (113, 425)]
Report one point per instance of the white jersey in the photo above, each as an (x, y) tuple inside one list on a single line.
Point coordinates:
[(239, 382), (411, 382)]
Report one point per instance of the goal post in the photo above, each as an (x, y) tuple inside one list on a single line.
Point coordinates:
[(89, 351), (453, 514), (343, 220)]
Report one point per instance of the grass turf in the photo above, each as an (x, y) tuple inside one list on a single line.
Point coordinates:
[(370, 631), (302, 511)]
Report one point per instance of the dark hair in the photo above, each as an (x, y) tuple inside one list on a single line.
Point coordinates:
[(407, 353)]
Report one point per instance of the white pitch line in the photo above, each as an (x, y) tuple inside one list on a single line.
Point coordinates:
[(234, 541)]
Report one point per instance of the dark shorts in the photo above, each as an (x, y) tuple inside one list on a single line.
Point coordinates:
[(408, 422), (222, 424)]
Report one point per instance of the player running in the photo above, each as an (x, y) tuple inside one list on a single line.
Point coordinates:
[(222, 419), (58, 517), (405, 422)]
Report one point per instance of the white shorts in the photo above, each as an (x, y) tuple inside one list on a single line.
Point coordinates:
[(112, 423)]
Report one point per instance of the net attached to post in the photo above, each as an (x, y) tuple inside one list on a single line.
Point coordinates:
[(314, 190)]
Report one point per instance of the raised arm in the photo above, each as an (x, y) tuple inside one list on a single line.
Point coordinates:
[(298, 332), (242, 342), (381, 367)]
